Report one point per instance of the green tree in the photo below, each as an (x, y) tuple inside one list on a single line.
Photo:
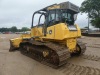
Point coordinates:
[(86, 27), (13, 29), (4, 29), (25, 29), (92, 7), (96, 22)]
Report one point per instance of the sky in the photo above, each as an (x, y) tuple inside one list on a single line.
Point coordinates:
[(19, 12)]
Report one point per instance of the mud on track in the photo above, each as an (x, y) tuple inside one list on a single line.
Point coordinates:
[(15, 63)]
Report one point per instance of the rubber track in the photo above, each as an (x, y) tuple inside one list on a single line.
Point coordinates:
[(72, 69), (91, 57)]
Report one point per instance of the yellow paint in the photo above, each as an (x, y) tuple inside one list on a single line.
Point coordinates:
[(71, 44), (56, 33), (16, 41), (54, 7), (60, 32), (50, 32), (25, 35), (78, 31), (36, 31)]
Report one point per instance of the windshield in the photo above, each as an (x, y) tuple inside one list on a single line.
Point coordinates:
[(61, 16), (67, 16)]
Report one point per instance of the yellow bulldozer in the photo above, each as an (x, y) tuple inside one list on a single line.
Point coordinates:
[(56, 39)]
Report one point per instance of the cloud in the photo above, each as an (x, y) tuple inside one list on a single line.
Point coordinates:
[(82, 20), (19, 12)]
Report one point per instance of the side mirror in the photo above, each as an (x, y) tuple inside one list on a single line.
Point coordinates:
[(75, 17)]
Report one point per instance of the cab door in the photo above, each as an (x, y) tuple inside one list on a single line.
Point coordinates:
[(50, 24), (50, 32)]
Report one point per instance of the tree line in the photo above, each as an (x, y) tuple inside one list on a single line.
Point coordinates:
[(14, 29)]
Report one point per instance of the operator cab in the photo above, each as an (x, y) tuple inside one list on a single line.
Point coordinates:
[(60, 16), (55, 14), (58, 13)]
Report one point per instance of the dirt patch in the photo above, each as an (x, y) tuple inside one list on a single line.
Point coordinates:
[(15, 63)]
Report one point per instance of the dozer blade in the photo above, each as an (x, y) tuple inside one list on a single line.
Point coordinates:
[(12, 48)]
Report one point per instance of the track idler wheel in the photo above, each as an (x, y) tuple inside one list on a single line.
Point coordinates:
[(80, 48), (77, 51)]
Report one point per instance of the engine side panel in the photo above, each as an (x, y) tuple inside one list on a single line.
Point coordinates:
[(36, 31), (61, 32)]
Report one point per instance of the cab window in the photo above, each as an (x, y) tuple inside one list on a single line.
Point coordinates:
[(51, 18)]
